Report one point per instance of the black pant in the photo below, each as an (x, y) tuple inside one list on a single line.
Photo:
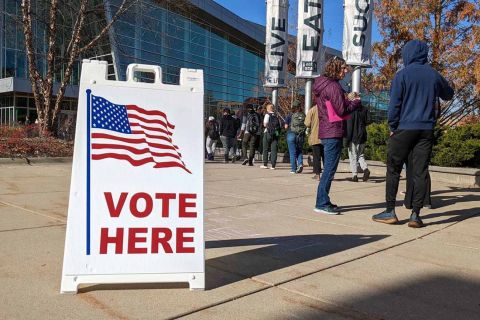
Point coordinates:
[(270, 142), (249, 142), (317, 158), (401, 143), (408, 202)]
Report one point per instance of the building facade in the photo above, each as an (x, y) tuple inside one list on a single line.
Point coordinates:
[(197, 34)]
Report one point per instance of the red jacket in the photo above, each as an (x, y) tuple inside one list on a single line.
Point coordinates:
[(329, 89)]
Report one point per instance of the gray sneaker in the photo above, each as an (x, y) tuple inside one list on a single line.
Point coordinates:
[(388, 217), (415, 221)]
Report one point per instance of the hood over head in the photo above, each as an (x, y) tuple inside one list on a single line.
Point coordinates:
[(415, 51), (321, 83)]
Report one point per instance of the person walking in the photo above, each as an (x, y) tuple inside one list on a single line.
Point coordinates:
[(238, 124), (250, 130), (213, 134), (411, 117), (259, 142), (355, 141), (332, 108), (311, 122), (295, 126), (270, 137), (228, 133)]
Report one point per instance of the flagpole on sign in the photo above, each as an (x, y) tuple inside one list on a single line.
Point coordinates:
[(356, 79), (89, 108), (308, 94)]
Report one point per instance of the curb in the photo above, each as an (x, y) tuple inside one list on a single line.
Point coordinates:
[(464, 177), (33, 161)]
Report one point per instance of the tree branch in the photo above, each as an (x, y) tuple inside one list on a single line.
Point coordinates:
[(126, 4)]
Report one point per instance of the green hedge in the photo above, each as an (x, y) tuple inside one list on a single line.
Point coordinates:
[(458, 147), (454, 147), (377, 138)]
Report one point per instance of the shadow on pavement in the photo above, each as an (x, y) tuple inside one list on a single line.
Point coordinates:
[(131, 286), (372, 179), (277, 253), (437, 297), (358, 207), (439, 200)]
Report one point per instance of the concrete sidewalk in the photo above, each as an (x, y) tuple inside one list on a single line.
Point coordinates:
[(269, 256)]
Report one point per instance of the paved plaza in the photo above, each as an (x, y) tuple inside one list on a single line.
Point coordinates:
[(268, 255)]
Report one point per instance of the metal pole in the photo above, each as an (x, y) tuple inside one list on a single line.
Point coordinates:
[(275, 97), (308, 94), (356, 79)]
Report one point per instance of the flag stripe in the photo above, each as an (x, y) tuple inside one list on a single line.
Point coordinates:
[(101, 146), (132, 141), (152, 136), (144, 127), (142, 119), (150, 113), (137, 163)]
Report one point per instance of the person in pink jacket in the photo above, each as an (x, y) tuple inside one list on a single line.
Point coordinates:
[(329, 94)]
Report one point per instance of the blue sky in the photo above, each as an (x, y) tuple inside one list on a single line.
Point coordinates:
[(254, 10)]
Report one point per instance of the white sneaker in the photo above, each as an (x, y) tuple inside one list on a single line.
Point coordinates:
[(263, 167), (293, 172), (272, 168)]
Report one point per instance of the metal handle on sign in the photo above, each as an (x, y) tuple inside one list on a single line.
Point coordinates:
[(135, 67)]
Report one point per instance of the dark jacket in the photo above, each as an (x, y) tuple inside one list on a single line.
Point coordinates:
[(415, 91), (328, 89), (212, 130), (357, 126), (228, 126)]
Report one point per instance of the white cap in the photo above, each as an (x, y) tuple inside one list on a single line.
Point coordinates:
[(211, 118)]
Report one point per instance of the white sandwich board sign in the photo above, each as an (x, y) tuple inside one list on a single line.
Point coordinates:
[(136, 198)]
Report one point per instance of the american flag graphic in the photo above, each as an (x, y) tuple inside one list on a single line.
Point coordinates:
[(131, 133)]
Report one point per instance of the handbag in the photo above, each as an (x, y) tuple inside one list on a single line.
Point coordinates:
[(332, 115)]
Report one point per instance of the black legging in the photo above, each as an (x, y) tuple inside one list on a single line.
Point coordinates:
[(317, 158)]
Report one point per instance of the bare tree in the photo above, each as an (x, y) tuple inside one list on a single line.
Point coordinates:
[(61, 56)]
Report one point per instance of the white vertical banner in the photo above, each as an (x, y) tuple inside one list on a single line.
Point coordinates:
[(310, 52), (276, 44), (357, 32)]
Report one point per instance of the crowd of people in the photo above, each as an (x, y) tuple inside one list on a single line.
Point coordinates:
[(339, 119)]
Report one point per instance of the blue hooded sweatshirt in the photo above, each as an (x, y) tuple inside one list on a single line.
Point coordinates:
[(415, 91)]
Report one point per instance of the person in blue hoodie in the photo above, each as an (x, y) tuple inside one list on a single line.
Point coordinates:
[(411, 118)]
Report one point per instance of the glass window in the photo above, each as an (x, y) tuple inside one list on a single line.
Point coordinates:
[(21, 65), (9, 63), (21, 102), (10, 32), (21, 114), (217, 55)]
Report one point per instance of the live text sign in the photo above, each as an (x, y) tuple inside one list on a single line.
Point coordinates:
[(276, 44)]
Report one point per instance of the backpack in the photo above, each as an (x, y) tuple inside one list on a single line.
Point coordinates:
[(253, 123), (273, 126), (214, 133), (297, 124)]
